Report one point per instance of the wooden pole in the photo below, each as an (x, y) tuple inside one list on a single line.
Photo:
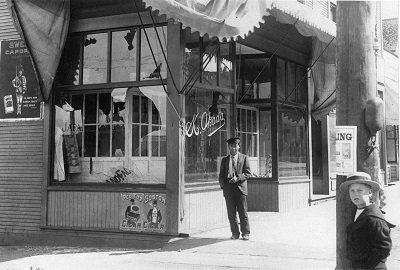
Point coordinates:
[(355, 84)]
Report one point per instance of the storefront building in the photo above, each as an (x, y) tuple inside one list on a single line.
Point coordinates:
[(127, 149)]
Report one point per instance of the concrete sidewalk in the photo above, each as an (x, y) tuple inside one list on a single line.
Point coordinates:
[(303, 239)]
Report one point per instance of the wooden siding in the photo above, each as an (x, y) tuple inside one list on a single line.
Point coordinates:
[(21, 157), (263, 195), (7, 29), (204, 210), (273, 196), (82, 209), (293, 195)]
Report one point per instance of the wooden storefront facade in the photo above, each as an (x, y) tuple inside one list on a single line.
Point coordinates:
[(143, 162)]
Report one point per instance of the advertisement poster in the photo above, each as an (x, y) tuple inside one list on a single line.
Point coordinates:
[(143, 212), (346, 147), (19, 88), (74, 161)]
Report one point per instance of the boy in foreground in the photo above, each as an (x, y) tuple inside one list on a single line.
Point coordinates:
[(368, 236)]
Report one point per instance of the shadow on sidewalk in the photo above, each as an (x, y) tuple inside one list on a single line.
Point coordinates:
[(180, 244)]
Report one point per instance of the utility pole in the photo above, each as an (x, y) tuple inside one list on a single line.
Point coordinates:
[(355, 85)]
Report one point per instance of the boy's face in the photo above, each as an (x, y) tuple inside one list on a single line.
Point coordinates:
[(233, 148), (360, 194)]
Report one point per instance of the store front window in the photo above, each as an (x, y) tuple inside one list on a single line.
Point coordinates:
[(207, 123), (292, 119), (112, 137), (112, 56), (208, 62), (111, 134)]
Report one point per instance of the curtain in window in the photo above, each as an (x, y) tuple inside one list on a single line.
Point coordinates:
[(43, 25)]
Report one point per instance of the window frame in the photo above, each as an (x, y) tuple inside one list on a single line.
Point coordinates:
[(80, 88), (395, 139)]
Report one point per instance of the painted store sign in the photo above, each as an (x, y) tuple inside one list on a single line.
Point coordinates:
[(143, 212), (205, 123)]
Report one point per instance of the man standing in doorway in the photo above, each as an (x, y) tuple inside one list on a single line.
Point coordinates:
[(234, 171)]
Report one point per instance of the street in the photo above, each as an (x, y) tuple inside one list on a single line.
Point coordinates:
[(303, 239)]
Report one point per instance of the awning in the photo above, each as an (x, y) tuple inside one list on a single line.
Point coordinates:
[(226, 19), (43, 25), (230, 19)]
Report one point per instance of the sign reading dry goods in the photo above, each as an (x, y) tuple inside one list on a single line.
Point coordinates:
[(19, 88), (143, 212)]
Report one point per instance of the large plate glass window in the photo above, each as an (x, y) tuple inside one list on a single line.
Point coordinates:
[(102, 125), (111, 133), (292, 119), (206, 131)]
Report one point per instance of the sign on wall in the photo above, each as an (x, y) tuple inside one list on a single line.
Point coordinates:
[(19, 88), (143, 212), (346, 149)]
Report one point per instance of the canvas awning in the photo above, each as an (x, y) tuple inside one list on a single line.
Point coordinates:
[(43, 25), (230, 19), (226, 19)]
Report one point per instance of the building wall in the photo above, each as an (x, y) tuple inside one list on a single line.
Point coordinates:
[(391, 81), (21, 157), (21, 164), (7, 29)]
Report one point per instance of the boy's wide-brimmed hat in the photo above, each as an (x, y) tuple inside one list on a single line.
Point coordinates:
[(233, 140), (359, 178)]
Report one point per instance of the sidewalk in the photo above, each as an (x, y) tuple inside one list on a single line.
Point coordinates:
[(304, 239)]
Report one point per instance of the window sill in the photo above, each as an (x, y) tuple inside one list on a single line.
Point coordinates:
[(148, 188)]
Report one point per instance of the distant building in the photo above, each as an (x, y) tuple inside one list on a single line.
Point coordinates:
[(390, 28)]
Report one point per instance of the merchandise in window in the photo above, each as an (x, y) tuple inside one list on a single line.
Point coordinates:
[(105, 148), (265, 149)]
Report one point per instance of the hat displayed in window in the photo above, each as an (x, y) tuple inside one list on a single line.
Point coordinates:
[(359, 178), (233, 140)]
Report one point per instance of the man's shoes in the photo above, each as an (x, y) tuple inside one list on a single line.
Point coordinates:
[(246, 237), (234, 236)]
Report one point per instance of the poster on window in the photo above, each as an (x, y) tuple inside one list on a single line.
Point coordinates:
[(346, 147), (143, 212), (19, 88), (71, 145)]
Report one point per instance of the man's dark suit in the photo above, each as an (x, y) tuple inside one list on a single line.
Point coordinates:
[(235, 193)]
